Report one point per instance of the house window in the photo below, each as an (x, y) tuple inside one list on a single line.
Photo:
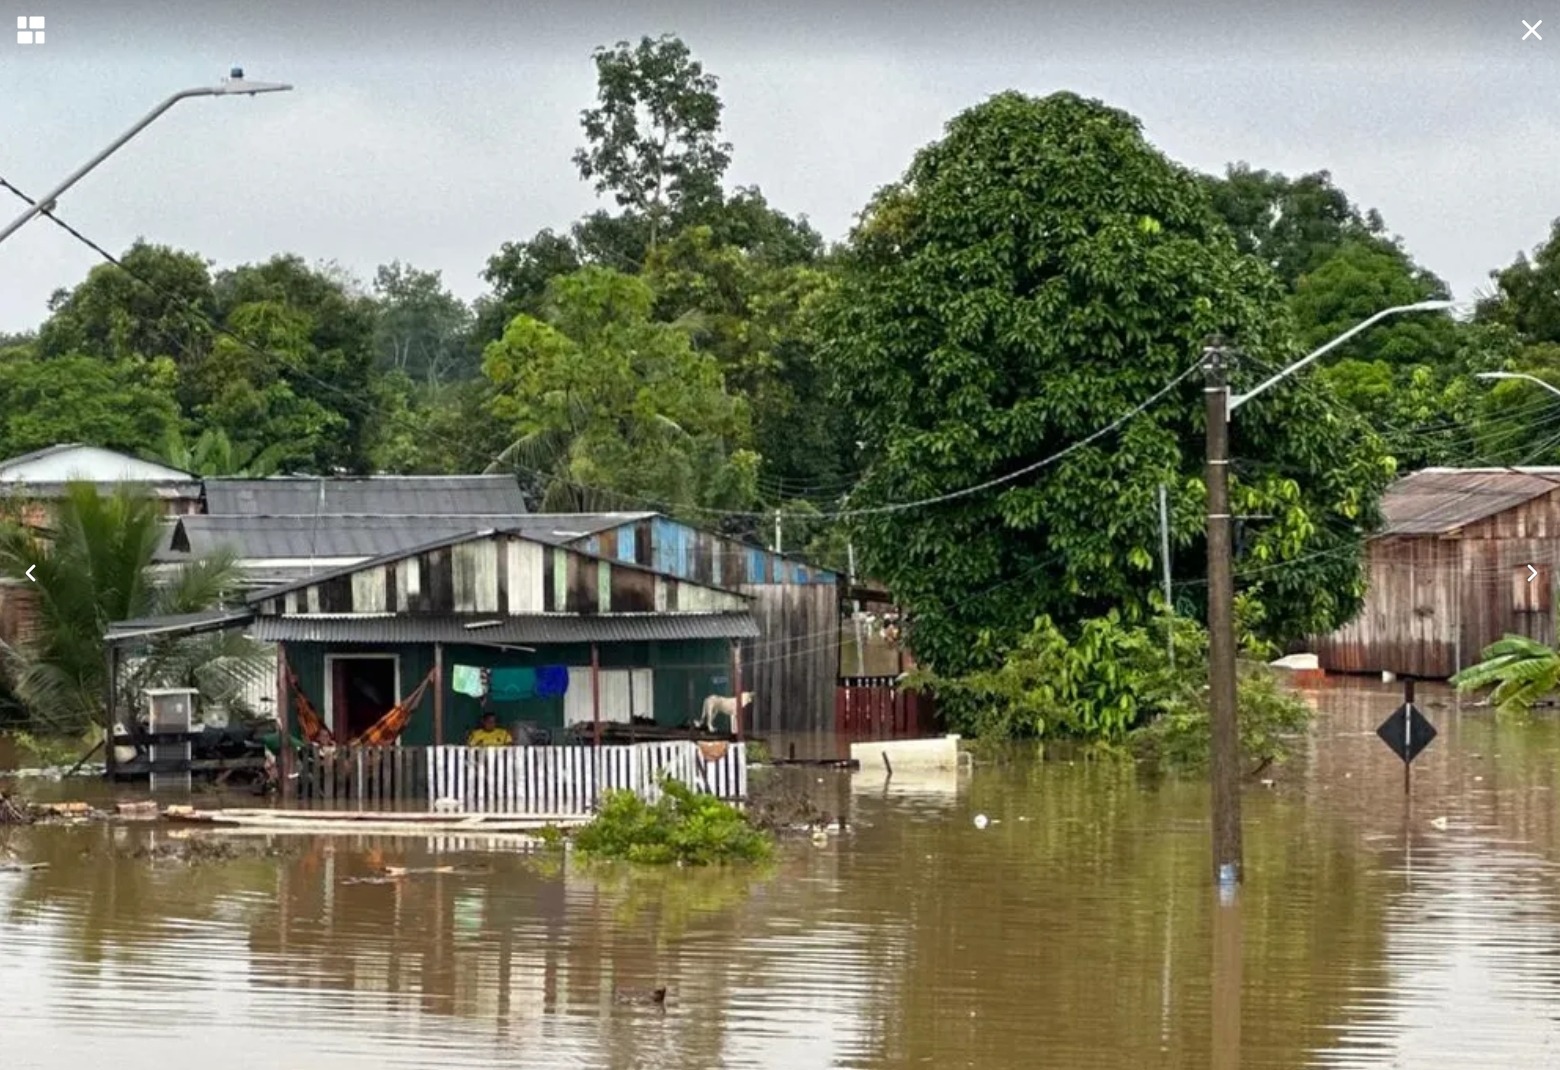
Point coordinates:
[(625, 693), (1531, 589)]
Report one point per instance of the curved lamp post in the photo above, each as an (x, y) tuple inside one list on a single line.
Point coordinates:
[(1520, 375), (235, 85)]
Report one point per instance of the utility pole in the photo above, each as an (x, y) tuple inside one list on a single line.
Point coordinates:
[(855, 610), (778, 545), (1164, 559), (1223, 727)]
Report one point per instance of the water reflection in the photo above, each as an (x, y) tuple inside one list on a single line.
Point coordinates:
[(1076, 930)]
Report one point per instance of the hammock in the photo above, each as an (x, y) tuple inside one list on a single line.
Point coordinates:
[(386, 730), (309, 722)]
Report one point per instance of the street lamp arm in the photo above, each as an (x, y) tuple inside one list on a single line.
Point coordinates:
[(1238, 400), (45, 202), (1524, 376), (233, 87)]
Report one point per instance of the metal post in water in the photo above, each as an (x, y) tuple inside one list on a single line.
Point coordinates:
[(1164, 557), (1408, 732)]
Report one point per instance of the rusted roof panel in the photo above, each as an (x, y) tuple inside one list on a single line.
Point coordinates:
[(1434, 501)]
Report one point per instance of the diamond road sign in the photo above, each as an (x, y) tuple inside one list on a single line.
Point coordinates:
[(1406, 732)]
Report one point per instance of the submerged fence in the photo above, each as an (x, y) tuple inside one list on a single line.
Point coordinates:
[(567, 780), (877, 707)]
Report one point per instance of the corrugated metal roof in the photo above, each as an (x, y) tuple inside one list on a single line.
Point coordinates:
[(273, 538), (496, 495), (1434, 501), (535, 629), (563, 528), (177, 624)]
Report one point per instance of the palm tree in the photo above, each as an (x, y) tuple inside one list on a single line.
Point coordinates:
[(92, 567), (1522, 670), (215, 454)]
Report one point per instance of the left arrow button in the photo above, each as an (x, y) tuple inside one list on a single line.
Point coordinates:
[(30, 573)]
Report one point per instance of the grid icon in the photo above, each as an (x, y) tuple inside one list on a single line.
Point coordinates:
[(29, 29)]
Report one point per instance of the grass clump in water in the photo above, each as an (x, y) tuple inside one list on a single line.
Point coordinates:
[(682, 827)]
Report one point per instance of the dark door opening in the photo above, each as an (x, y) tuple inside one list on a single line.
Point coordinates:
[(362, 691)]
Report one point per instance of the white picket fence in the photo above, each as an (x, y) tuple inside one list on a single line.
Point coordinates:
[(571, 780)]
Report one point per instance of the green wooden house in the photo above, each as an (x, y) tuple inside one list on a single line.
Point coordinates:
[(632, 642)]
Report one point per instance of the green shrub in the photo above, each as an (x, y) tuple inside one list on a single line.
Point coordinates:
[(1112, 687), (683, 827), (1270, 717)]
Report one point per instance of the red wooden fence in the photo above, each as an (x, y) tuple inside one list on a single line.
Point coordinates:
[(875, 707)]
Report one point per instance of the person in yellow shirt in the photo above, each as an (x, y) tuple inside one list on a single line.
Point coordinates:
[(489, 734)]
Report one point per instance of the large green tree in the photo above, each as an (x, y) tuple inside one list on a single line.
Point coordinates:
[(613, 408), (421, 329), (1034, 276), (1292, 224), (653, 139), (126, 405)]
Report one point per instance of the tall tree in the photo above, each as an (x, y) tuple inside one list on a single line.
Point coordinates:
[(612, 408), (159, 304), (1293, 225), (755, 313), (127, 405), (652, 141), (421, 328), (304, 338), (1036, 275), (519, 274)]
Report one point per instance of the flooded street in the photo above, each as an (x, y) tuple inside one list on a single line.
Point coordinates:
[(1079, 930)]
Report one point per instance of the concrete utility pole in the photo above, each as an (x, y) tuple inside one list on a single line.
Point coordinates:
[(1223, 727), (1164, 565)]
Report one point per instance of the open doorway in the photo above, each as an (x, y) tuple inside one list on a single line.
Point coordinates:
[(363, 688)]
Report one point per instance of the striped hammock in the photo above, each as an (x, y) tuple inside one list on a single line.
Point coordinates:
[(382, 733), (385, 731)]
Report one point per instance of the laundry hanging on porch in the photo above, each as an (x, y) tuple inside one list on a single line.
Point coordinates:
[(468, 680), (511, 685), (385, 731), (552, 681)]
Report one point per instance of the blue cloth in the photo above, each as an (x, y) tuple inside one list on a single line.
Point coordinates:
[(511, 685), (552, 681)]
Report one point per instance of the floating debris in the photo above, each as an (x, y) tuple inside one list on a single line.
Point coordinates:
[(981, 821)]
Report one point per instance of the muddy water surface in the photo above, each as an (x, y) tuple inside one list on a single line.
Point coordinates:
[(1077, 931)]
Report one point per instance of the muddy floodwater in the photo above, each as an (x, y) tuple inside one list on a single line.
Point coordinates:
[(1077, 930)]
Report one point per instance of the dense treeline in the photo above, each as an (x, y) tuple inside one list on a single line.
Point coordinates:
[(1033, 276)]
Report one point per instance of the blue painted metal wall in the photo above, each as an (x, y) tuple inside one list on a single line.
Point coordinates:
[(692, 554)]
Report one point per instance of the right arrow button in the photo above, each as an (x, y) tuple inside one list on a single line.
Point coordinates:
[(1532, 573)]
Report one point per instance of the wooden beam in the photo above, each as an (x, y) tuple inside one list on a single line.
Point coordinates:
[(284, 754), (110, 707), (736, 680), (438, 694), (595, 691)]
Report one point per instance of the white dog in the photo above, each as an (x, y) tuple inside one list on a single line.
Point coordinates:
[(718, 704)]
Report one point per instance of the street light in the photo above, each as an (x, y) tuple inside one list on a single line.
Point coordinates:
[(1223, 726), (234, 85), (1520, 375)]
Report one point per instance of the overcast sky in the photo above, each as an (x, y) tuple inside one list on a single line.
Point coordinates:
[(433, 132)]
